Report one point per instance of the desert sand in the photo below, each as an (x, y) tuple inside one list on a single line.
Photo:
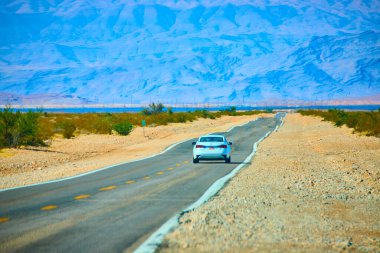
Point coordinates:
[(311, 187), (65, 158)]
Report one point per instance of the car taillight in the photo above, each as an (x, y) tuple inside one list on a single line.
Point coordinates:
[(199, 146), (223, 146)]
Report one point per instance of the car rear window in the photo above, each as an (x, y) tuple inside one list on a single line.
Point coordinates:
[(211, 139)]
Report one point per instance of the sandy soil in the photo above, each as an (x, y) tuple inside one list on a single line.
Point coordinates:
[(311, 187), (88, 152)]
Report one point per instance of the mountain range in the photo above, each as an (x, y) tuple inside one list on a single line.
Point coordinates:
[(181, 51)]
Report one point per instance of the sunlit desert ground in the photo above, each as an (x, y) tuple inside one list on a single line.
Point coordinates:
[(311, 187)]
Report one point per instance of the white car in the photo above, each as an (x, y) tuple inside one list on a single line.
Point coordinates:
[(212, 147)]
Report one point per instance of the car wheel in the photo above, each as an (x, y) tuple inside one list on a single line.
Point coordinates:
[(228, 160), (195, 160)]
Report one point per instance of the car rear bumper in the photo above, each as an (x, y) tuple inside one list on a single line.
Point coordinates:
[(211, 156)]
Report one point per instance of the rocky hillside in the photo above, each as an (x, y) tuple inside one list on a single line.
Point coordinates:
[(188, 51)]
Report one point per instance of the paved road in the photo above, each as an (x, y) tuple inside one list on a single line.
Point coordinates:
[(115, 210)]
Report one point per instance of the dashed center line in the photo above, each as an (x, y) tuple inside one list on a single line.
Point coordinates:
[(48, 208), (111, 187), (186, 162), (4, 219), (83, 196)]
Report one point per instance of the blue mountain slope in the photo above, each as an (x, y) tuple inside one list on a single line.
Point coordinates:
[(189, 51)]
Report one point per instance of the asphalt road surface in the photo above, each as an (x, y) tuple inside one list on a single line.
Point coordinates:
[(116, 209)]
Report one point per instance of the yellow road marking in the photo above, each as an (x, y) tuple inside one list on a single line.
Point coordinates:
[(4, 219), (111, 187), (160, 173), (83, 196), (169, 169), (48, 208), (145, 178), (178, 165), (186, 162), (130, 182)]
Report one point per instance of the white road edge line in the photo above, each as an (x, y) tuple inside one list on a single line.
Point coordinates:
[(111, 166), (150, 245)]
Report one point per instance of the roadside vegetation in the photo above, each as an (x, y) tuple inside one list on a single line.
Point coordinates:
[(362, 122), (36, 128), (19, 128)]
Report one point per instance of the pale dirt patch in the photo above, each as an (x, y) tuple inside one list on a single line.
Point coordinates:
[(311, 187), (84, 153)]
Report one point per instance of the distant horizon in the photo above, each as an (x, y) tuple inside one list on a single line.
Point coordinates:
[(185, 105)]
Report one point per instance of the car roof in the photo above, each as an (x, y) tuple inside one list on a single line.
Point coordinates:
[(212, 135)]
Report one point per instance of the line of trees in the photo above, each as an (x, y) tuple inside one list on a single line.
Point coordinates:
[(37, 127)]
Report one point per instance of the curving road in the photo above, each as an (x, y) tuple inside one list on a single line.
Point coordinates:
[(116, 209)]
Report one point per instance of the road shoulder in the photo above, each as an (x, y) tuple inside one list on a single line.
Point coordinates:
[(311, 187)]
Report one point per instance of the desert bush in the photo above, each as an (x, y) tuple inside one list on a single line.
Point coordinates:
[(68, 128), (214, 116), (18, 128), (146, 112), (46, 127), (123, 128), (181, 118), (102, 125), (159, 119), (153, 109), (8, 121), (27, 129), (364, 122), (229, 111), (204, 114)]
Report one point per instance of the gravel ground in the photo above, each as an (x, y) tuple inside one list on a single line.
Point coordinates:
[(311, 187), (88, 152)]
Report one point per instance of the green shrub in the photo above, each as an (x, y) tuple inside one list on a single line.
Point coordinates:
[(8, 121), (205, 114), (146, 112), (26, 130), (230, 111), (365, 122), (123, 128), (68, 129), (160, 119), (153, 109), (46, 127), (181, 118), (18, 128), (102, 125)]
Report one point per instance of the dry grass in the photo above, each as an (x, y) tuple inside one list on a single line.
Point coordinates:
[(46, 125), (362, 122)]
